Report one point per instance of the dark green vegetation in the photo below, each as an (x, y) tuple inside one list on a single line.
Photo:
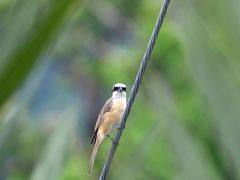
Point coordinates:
[(59, 60)]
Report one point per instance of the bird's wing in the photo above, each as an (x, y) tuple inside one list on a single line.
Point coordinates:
[(106, 108)]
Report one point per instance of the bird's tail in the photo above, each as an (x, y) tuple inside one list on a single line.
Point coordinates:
[(99, 139)]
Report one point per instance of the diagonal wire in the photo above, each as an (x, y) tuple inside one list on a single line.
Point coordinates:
[(135, 87)]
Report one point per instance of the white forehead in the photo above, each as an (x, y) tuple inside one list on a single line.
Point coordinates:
[(119, 85)]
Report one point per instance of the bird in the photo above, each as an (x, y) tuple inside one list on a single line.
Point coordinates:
[(109, 117)]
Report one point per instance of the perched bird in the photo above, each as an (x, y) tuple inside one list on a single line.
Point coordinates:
[(109, 117)]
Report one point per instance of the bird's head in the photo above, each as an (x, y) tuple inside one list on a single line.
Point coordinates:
[(119, 90)]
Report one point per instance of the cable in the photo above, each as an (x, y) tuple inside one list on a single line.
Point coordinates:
[(135, 88)]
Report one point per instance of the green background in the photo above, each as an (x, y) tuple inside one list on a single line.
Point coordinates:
[(59, 60)]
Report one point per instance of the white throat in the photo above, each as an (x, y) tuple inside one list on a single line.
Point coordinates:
[(119, 95)]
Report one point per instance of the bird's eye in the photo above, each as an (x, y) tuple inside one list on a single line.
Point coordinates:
[(115, 88), (124, 89)]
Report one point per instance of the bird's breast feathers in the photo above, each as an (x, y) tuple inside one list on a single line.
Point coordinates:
[(119, 105), (117, 110), (112, 117)]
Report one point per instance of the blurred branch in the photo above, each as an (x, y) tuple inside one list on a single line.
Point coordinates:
[(135, 88)]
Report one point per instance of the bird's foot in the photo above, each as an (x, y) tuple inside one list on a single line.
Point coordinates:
[(118, 126), (113, 141), (110, 137)]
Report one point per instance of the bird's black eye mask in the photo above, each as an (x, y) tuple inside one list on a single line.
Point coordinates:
[(124, 89), (115, 88)]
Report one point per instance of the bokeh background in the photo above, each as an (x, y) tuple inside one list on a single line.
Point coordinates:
[(59, 60)]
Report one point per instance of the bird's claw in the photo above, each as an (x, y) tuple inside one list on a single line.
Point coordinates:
[(113, 141), (118, 126), (110, 137)]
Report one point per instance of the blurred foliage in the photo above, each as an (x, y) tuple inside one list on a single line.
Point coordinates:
[(59, 60), (12, 73)]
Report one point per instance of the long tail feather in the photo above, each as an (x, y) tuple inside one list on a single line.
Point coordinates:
[(93, 141), (99, 139)]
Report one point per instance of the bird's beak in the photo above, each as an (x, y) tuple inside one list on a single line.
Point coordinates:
[(120, 89)]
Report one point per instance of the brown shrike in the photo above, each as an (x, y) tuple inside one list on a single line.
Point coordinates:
[(109, 117)]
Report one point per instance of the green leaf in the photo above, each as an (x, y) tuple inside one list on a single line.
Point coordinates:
[(22, 60)]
